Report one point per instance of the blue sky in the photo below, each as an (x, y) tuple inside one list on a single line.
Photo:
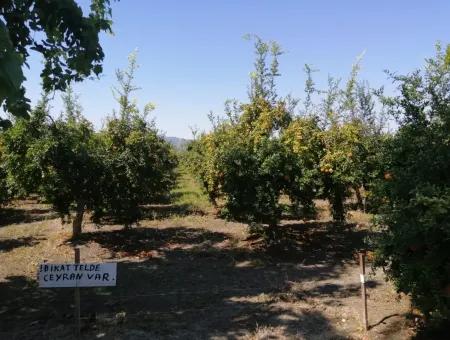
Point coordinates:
[(193, 57)]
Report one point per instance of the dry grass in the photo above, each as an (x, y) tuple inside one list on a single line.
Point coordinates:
[(189, 193), (265, 333)]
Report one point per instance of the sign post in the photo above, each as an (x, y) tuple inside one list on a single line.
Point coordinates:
[(362, 267), (77, 298), (76, 275)]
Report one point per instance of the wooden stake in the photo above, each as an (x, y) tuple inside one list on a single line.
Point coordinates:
[(362, 267), (77, 298)]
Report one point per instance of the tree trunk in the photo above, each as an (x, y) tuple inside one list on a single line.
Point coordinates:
[(338, 203), (309, 209), (213, 201), (78, 220), (359, 198)]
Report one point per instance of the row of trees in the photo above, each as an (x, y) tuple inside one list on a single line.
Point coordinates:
[(337, 147), (111, 173), (262, 149)]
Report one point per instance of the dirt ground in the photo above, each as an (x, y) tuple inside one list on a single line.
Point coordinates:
[(194, 277)]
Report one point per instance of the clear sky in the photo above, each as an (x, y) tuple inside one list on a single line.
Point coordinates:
[(192, 55)]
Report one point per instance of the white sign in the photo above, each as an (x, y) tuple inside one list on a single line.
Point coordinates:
[(52, 275)]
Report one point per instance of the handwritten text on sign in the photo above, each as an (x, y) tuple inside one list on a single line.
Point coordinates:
[(77, 275)]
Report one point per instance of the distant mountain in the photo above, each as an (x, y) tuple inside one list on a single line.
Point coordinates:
[(178, 143)]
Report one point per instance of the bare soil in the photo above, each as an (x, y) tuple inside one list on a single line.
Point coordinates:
[(194, 277)]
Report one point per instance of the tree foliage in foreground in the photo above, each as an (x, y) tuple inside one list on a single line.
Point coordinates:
[(67, 39), (414, 247)]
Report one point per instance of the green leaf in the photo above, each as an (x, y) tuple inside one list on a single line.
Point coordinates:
[(11, 76)]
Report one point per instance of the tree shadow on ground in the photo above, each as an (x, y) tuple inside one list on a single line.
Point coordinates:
[(316, 242), (160, 212), (7, 245), (186, 283), (135, 241), (32, 313), (226, 299), (13, 215), (340, 291), (163, 211), (26, 311)]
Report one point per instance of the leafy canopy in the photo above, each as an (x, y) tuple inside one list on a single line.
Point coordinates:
[(415, 193), (67, 39)]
